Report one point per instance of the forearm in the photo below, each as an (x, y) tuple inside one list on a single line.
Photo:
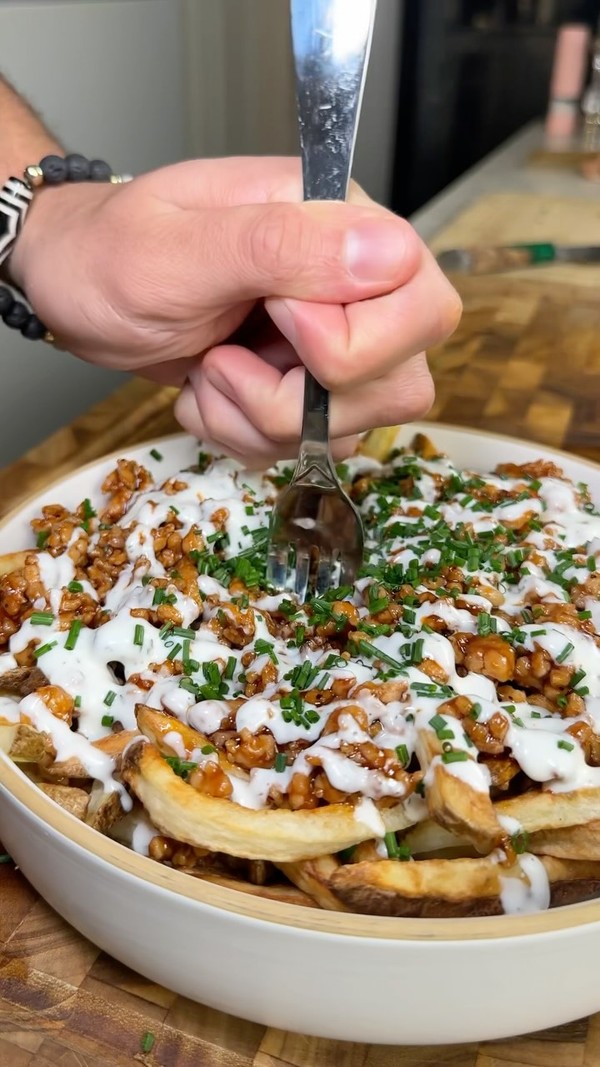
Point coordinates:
[(23, 137)]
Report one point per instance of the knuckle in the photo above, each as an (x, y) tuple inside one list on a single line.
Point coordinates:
[(402, 404), (276, 242)]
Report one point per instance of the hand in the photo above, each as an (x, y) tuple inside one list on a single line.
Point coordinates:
[(214, 276)]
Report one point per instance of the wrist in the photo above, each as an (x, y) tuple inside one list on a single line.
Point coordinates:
[(53, 211)]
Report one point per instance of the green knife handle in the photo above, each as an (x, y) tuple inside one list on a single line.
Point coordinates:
[(538, 253)]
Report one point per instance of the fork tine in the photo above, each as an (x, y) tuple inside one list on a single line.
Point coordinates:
[(324, 577), (299, 577), (277, 564)]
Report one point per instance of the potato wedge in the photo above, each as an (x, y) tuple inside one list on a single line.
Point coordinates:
[(377, 444), (70, 797), (12, 561), (552, 811), (456, 804), (463, 810), (24, 744), (313, 877), (571, 842), (21, 681), (104, 809), (440, 888), (158, 725), (285, 894), (278, 835), (112, 745)]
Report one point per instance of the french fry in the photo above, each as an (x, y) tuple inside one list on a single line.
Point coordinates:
[(278, 835)]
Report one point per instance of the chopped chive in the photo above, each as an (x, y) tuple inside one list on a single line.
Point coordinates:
[(77, 701), (229, 668), (41, 538), (44, 648), (577, 678), (107, 720), (41, 618), (73, 634), (565, 652), (206, 750), (454, 757), (391, 844), (437, 723), (148, 1039), (109, 698), (475, 711), (591, 563), (5, 858), (265, 648), (566, 745), (75, 587), (403, 755), (88, 511), (280, 762), (184, 631), (174, 651), (583, 691), (138, 635), (583, 615), (156, 454), (520, 842)]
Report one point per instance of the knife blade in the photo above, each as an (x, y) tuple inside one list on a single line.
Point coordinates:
[(490, 259)]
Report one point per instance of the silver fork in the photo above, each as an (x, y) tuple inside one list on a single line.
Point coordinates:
[(316, 536)]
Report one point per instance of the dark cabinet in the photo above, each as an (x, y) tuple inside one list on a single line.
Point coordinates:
[(472, 73)]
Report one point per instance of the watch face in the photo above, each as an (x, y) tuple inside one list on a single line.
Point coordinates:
[(15, 198)]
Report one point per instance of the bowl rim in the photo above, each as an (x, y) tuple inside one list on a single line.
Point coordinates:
[(254, 908)]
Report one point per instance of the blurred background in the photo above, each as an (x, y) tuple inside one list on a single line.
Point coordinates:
[(141, 83)]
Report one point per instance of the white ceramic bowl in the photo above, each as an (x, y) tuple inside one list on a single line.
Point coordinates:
[(350, 977)]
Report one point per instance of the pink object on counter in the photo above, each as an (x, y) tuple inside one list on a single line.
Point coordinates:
[(568, 77)]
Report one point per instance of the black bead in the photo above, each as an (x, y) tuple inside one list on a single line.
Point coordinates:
[(17, 316), (33, 329), (78, 167), (54, 169), (99, 171), (6, 300)]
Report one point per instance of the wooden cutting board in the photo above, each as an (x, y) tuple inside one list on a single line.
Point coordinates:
[(526, 361)]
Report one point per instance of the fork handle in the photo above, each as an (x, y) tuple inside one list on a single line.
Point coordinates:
[(331, 40)]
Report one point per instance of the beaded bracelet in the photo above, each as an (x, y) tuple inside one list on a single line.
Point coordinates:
[(16, 196)]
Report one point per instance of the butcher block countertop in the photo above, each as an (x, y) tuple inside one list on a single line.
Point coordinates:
[(525, 361)]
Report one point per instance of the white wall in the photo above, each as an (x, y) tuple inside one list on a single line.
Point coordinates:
[(240, 58), (108, 77)]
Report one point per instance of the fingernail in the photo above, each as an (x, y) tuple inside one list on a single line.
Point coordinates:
[(284, 320), (375, 250)]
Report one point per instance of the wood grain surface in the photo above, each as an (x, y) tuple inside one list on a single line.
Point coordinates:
[(524, 361)]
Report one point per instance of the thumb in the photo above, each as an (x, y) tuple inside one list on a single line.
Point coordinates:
[(322, 251)]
